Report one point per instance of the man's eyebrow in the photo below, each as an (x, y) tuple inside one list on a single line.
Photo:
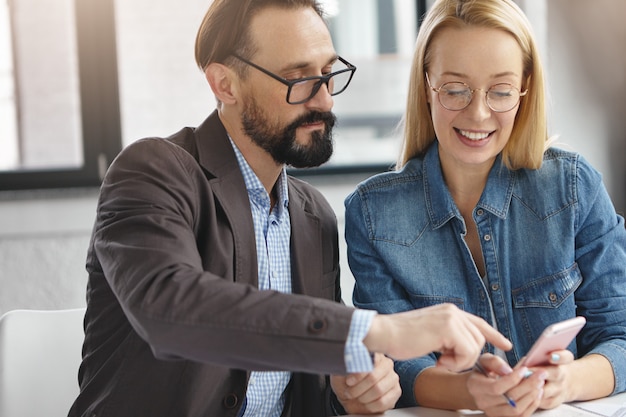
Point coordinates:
[(305, 64)]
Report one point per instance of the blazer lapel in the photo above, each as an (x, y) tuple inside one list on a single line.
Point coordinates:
[(306, 246), (216, 156)]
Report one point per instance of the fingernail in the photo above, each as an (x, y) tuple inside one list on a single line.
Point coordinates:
[(505, 369), (555, 357), (350, 381), (523, 372), (527, 373)]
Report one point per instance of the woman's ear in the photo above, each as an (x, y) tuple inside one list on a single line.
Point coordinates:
[(223, 82)]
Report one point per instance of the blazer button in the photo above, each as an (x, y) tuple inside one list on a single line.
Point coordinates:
[(317, 325), (230, 401)]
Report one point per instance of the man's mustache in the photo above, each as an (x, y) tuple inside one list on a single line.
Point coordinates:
[(328, 118)]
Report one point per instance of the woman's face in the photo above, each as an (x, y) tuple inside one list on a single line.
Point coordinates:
[(479, 57)]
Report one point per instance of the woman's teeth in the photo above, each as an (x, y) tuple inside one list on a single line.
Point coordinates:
[(474, 135)]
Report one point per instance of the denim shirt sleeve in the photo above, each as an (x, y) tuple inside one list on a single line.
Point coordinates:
[(408, 371), (374, 289), (601, 257)]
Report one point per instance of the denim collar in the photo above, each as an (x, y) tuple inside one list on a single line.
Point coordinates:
[(496, 197)]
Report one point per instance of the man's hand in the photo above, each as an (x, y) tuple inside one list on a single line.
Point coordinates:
[(458, 336), (368, 392)]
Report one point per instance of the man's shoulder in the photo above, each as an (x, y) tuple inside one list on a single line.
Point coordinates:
[(185, 138), (155, 151)]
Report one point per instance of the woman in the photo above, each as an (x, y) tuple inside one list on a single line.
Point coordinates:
[(482, 213)]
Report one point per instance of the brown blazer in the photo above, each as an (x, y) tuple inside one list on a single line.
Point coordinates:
[(174, 319)]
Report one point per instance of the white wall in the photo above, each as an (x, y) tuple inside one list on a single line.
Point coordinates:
[(586, 60), (44, 237)]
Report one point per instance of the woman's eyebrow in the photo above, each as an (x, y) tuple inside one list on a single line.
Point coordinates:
[(497, 75)]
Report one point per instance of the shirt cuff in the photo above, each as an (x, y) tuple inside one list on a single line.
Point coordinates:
[(356, 355)]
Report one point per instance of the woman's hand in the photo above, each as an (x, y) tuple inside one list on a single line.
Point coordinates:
[(557, 389), (489, 391)]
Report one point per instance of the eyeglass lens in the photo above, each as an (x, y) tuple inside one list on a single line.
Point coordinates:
[(500, 97), (306, 89)]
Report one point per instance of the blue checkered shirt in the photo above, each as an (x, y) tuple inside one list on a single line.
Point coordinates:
[(272, 229)]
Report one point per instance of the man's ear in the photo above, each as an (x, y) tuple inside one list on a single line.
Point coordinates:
[(223, 82)]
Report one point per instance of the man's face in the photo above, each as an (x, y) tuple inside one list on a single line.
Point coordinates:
[(291, 43)]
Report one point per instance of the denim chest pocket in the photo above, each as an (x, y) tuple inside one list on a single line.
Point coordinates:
[(550, 291)]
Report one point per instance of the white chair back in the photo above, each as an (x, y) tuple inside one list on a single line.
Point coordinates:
[(40, 352)]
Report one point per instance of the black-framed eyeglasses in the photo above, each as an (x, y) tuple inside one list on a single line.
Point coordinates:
[(304, 89), (456, 96)]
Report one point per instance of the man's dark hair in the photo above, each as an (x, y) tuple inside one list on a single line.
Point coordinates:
[(225, 28)]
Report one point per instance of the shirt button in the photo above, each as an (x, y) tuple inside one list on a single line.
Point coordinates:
[(553, 297), (487, 238), (480, 212), (495, 287)]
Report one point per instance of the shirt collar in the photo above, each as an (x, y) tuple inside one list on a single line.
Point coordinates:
[(496, 197), (254, 185)]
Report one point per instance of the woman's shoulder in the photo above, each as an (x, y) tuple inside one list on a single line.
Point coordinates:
[(563, 179), (570, 164), (410, 173)]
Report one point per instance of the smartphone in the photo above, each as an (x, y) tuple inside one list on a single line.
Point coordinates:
[(557, 336)]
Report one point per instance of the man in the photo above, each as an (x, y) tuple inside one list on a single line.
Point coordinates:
[(213, 276)]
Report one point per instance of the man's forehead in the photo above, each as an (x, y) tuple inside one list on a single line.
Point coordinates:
[(290, 32)]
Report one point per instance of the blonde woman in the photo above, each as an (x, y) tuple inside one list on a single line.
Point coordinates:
[(483, 214)]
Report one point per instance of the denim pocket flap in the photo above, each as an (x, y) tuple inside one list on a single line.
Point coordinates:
[(421, 301), (550, 291)]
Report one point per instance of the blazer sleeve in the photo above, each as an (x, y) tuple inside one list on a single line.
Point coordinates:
[(153, 200)]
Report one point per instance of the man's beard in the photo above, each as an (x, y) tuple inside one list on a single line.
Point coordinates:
[(280, 142)]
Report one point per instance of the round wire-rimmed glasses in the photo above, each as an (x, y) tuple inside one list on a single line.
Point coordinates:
[(456, 95), (304, 89)]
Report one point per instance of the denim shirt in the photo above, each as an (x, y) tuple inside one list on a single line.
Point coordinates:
[(552, 243)]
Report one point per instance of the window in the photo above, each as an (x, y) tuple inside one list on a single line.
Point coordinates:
[(94, 76), (58, 93), (378, 37), (8, 116)]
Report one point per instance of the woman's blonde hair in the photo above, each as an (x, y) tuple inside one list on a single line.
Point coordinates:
[(529, 136)]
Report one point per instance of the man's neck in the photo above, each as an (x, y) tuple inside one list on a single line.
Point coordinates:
[(259, 160)]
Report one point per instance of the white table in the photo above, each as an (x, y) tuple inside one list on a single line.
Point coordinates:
[(610, 407)]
